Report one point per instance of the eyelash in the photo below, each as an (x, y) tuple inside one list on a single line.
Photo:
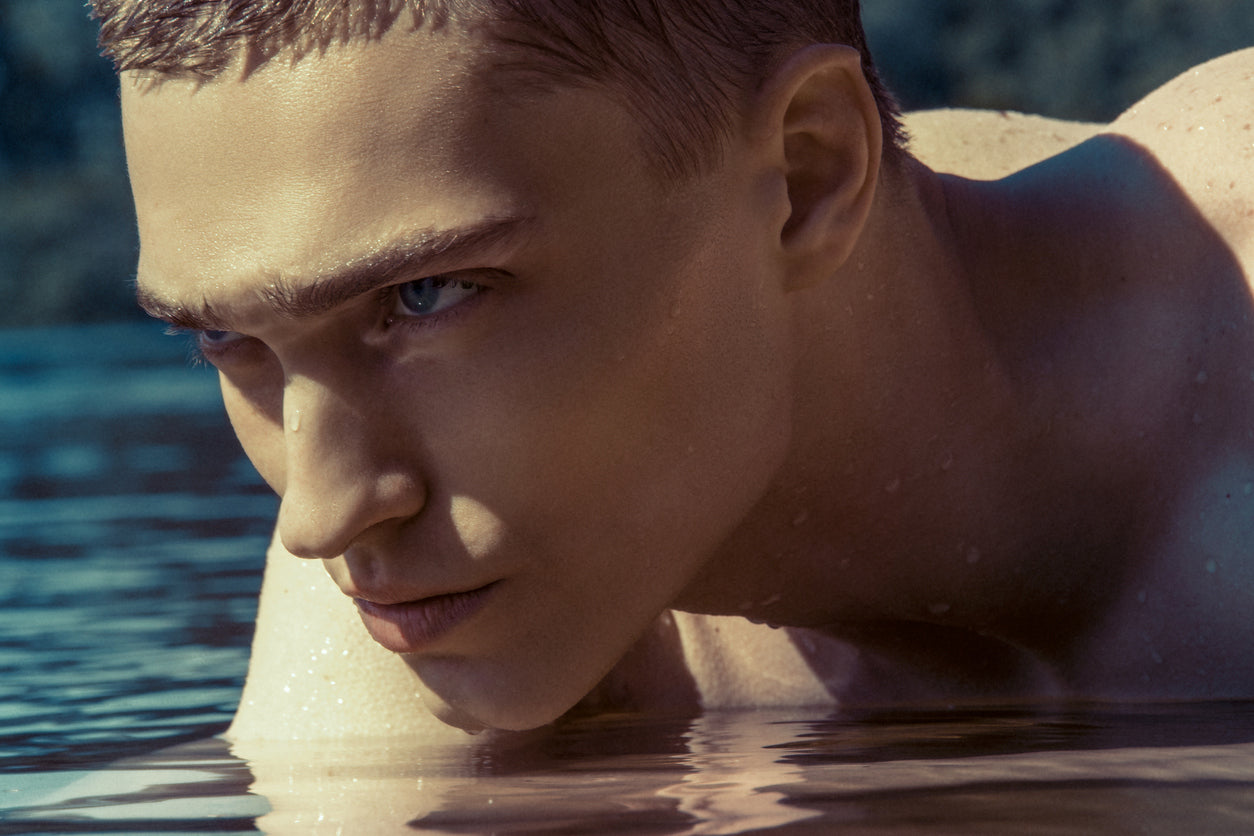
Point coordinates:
[(201, 354), (197, 353), (390, 300)]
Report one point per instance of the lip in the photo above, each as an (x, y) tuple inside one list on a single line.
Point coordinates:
[(411, 626)]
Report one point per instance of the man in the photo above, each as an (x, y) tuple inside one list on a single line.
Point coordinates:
[(624, 357)]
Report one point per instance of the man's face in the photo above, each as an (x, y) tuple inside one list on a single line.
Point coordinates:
[(475, 345)]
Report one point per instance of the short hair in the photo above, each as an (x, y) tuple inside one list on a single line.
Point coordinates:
[(682, 66)]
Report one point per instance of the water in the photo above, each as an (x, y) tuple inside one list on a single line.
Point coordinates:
[(1149, 770), (131, 535)]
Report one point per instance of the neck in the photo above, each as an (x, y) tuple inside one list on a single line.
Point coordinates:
[(905, 499)]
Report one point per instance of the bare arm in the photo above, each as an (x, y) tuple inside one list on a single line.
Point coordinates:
[(316, 673)]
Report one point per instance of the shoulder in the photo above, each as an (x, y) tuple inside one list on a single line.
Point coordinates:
[(315, 674), (1209, 103), (1199, 128), (989, 145), (1195, 134)]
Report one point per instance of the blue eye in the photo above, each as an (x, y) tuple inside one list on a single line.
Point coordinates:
[(425, 297), (217, 339)]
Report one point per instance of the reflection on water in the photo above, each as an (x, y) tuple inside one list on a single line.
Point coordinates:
[(131, 535), (1182, 770)]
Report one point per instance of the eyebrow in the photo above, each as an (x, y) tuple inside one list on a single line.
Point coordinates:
[(414, 254)]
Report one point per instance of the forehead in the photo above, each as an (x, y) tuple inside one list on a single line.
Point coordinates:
[(298, 167)]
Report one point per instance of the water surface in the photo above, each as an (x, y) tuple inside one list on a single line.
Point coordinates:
[(1092, 770), (131, 536)]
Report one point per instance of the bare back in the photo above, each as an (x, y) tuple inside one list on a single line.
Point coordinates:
[(1144, 310)]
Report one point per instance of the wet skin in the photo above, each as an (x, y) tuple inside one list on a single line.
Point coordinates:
[(521, 396), (491, 382)]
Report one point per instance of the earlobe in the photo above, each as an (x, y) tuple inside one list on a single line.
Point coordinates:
[(823, 130)]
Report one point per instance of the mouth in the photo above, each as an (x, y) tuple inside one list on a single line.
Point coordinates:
[(412, 626)]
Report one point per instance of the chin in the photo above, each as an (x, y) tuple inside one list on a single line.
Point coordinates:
[(484, 710), (509, 719), (455, 717)]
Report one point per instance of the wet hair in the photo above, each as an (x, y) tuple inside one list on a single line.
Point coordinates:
[(682, 66)]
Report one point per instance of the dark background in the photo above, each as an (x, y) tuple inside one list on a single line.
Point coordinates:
[(67, 242)]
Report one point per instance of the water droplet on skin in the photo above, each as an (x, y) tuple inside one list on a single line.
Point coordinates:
[(1201, 378), (800, 519), (1142, 597), (1212, 567), (947, 461), (676, 309), (294, 424), (893, 486)]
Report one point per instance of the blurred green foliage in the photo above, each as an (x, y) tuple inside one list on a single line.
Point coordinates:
[(67, 229), (1074, 59), (67, 240)]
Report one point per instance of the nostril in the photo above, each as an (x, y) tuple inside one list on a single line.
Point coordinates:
[(309, 529), (300, 548)]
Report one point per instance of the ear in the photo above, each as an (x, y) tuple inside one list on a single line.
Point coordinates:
[(821, 128)]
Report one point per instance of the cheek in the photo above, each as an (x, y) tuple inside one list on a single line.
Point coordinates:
[(655, 430), (718, 402)]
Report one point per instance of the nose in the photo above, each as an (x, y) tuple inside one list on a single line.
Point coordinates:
[(340, 477)]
